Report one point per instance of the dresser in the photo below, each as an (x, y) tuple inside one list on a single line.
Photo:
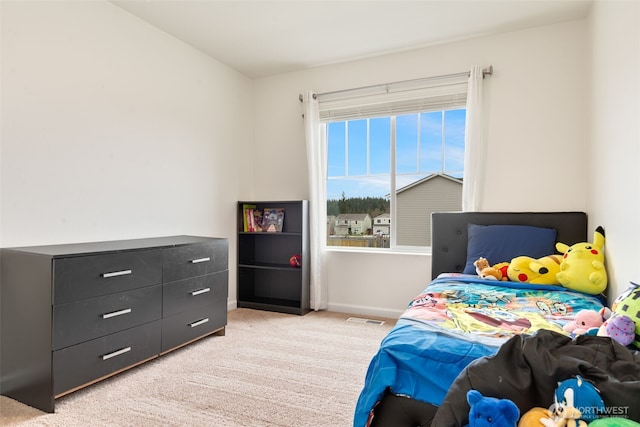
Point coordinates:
[(74, 314)]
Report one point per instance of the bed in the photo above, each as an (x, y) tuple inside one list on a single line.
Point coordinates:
[(460, 319)]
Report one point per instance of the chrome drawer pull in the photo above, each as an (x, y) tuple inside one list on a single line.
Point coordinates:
[(116, 313), (116, 353), (195, 261), (117, 273), (200, 291), (199, 322)]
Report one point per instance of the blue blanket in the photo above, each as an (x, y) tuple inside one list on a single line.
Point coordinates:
[(455, 320)]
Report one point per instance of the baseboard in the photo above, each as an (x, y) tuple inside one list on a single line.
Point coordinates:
[(360, 310), (366, 311)]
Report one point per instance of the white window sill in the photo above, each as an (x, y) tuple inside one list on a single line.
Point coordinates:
[(390, 251)]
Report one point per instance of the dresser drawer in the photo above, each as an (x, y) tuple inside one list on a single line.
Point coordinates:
[(195, 260), (94, 275), (79, 321), (80, 364), (185, 295), (186, 326)]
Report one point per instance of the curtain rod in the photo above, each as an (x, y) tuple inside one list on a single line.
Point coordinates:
[(488, 71)]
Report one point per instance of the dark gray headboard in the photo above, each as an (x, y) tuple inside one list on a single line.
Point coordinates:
[(449, 232)]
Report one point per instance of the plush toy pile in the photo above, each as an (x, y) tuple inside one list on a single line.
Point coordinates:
[(578, 267), (577, 404), (621, 323)]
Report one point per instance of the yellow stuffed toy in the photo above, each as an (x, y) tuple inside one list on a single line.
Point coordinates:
[(532, 417), (582, 267), (541, 271), (564, 416)]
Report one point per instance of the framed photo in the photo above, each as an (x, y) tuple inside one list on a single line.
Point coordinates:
[(272, 219)]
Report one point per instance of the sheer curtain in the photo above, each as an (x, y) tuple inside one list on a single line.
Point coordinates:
[(474, 145), (317, 166)]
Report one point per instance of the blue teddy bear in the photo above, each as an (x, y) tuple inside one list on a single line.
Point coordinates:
[(489, 411)]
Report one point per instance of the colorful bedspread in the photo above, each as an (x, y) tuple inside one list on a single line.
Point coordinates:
[(455, 320)]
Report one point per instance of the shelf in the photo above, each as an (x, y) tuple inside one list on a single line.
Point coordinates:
[(266, 280), (274, 304), (269, 266), (269, 233)]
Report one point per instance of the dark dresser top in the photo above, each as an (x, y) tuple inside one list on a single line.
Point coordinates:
[(77, 249)]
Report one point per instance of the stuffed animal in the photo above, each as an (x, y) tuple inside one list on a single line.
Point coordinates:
[(585, 322), (532, 417), (618, 327), (605, 312), (579, 394), (628, 304), (624, 295), (485, 271), (564, 416), (613, 422), (541, 271), (490, 411), (582, 267), (503, 267)]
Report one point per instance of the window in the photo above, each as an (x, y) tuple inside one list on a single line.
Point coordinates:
[(395, 153), (420, 155)]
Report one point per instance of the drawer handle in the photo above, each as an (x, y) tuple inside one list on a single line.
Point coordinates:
[(116, 353), (200, 291), (195, 261), (116, 313), (199, 322), (117, 273)]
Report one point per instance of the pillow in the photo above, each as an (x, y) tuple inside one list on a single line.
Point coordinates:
[(502, 243)]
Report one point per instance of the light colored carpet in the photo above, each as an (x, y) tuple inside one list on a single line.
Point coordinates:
[(270, 369)]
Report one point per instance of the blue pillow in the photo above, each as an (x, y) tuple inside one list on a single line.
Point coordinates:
[(502, 243)]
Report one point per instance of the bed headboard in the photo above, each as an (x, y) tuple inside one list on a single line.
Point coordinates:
[(449, 232)]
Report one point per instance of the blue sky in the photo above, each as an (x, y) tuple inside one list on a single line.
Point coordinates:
[(418, 152)]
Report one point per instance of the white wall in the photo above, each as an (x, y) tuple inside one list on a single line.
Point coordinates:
[(113, 129), (536, 128), (613, 178)]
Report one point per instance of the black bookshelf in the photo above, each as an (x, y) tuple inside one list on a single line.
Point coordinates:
[(266, 279)]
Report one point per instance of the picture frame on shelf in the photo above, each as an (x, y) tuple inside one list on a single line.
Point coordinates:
[(272, 219)]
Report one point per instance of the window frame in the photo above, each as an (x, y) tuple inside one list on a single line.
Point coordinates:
[(393, 204), (439, 93)]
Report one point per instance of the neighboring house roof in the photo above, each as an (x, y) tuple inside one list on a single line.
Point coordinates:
[(353, 217), (384, 215), (429, 178)]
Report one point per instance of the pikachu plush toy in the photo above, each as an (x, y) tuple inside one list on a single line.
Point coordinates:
[(582, 268)]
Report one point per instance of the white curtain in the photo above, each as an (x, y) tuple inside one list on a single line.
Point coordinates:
[(474, 146), (317, 166)]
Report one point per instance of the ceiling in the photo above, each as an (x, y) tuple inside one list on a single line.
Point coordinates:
[(267, 37)]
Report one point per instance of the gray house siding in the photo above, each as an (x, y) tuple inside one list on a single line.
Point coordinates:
[(415, 203)]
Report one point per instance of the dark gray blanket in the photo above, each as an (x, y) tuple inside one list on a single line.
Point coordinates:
[(527, 369)]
